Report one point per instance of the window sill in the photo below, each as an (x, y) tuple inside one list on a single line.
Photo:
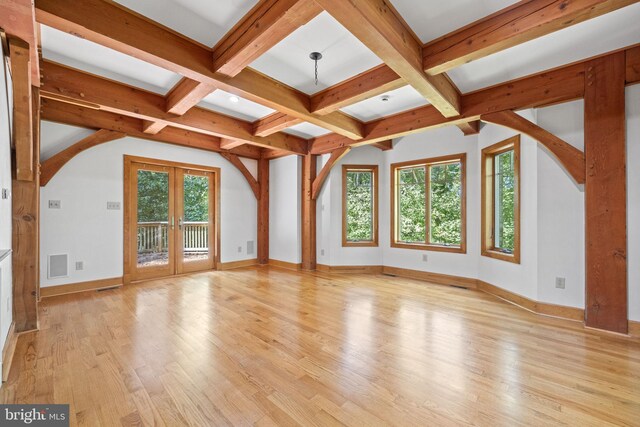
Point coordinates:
[(435, 248), (359, 244), (502, 256)]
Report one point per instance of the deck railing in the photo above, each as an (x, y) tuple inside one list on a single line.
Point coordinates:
[(154, 236)]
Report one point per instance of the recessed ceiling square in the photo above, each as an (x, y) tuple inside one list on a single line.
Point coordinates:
[(85, 55), (231, 105), (343, 56), (431, 19), (306, 130), (392, 102), (596, 36), (204, 21)]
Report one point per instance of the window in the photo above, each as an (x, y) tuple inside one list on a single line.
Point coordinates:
[(428, 207), (359, 205), (501, 200)]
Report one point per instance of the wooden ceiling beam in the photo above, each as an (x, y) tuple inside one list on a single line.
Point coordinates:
[(185, 95), (75, 115), (368, 84), (383, 145), (273, 123), (517, 24), (116, 27), (319, 180), (52, 165), (230, 144), (632, 65), (18, 20), (235, 161), (570, 157), (470, 128), (268, 23), (61, 83), (379, 27)]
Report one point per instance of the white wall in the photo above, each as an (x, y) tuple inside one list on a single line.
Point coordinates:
[(438, 142), (88, 232), (329, 214), (284, 209)]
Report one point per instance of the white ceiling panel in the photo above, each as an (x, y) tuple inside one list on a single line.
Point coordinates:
[(590, 38), (205, 21), (55, 137), (343, 56), (306, 130), (399, 100), (431, 19), (244, 109), (85, 55)]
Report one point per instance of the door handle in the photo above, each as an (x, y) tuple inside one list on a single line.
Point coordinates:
[(173, 222), (180, 223)]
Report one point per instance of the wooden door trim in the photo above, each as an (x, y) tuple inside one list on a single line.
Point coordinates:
[(127, 250)]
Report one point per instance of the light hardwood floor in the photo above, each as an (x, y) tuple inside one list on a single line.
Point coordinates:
[(268, 346)]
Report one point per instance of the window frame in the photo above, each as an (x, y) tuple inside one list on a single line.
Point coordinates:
[(427, 246), (374, 217), (488, 209)]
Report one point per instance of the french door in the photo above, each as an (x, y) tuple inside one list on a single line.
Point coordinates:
[(171, 224)]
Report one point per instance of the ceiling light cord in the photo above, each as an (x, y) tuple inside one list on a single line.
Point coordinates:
[(315, 57)]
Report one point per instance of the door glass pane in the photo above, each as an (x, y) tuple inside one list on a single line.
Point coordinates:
[(411, 205), (446, 204), (504, 197), (153, 218), (359, 206), (195, 230)]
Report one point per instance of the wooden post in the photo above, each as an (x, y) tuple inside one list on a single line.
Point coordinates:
[(22, 109), (263, 211), (606, 194), (25, 233), (309, 166)]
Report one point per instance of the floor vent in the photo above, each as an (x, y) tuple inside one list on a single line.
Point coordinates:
[(58, 266)]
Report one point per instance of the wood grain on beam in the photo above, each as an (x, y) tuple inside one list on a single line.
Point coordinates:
[(633, 65), (268, 23), (124, 31), (18, 20), (368, 84), (383, 145), (524, 21), (235, 161), (263, 212), (22, 109), (318, 182), (308, 213), (75, 115), (569, 156), (273, 123), (67, 83), (230, 144), (185, 95), (470, 128), (52, 165), (26, 234), (379, 27), (606, 195), (152, 127), (274, 154)]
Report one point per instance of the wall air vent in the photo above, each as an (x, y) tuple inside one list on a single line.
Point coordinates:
[(58, 266)]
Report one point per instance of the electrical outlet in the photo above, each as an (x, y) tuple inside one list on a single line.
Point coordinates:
[(250, 247), (560, 282), (54, 204), (322, 252), (6, 193), (425, 257), (113, 206), (239, 249), (79, 265)]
